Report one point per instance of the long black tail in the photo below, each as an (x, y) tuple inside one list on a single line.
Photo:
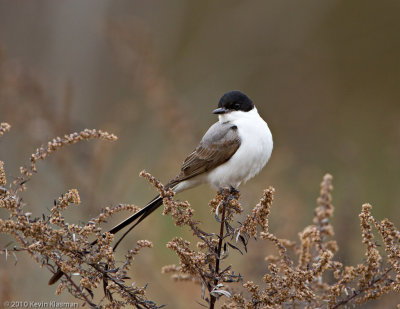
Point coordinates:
[(139, 216)]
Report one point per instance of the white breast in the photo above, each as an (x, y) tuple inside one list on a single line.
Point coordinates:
[(252, 155)]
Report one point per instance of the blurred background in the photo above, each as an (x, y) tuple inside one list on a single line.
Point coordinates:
[(324, 74)]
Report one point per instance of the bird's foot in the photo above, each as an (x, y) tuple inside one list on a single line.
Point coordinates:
[(230, 192), (233, 190), (221, 190)]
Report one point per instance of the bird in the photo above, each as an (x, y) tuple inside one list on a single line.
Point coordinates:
[(232, 151)]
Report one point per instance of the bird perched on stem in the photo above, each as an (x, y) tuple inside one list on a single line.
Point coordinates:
[(232, 151)]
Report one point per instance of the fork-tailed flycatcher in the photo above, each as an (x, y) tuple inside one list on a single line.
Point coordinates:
[(232, 151)]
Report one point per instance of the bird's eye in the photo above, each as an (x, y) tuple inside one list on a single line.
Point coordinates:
[(236, 106)]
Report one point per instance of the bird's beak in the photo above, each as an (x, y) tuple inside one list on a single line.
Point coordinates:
[(220, 111)]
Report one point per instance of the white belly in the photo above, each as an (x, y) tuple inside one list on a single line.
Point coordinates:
[(252, 155)]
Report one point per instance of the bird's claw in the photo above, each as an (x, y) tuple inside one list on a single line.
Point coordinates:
[(233, 190)]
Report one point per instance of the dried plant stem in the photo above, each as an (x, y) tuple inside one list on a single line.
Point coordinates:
[(82, 294), (219, 249), (56, 244), (359, 292)]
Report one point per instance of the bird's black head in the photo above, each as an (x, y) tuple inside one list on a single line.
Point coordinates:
[(234, 101)]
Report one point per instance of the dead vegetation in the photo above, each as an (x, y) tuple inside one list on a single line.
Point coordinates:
[(303, 273)]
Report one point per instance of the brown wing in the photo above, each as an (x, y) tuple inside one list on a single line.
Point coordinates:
[(217, 146)]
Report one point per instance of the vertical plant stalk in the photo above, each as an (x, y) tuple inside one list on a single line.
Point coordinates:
[(80, 291), (219, 249)]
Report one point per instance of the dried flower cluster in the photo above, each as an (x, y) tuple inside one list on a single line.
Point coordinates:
[(316, 280), (202, 265), (4, 127), (313, 280), (58, 142), (56, 244), (302, 274), (3, 180)]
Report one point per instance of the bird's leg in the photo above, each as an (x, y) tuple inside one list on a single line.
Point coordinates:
[(233, 193), (231, 190), (222, 190)]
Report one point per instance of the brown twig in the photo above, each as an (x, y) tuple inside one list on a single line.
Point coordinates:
[(360, 291), (219, 249), (79, 290)]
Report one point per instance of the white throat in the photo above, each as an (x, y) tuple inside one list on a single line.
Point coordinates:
[(253, 153), (238, 115)]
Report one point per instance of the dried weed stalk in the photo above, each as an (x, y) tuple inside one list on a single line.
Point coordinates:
[(314, 280), (204, 264), (302, 274), (56, 244)]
